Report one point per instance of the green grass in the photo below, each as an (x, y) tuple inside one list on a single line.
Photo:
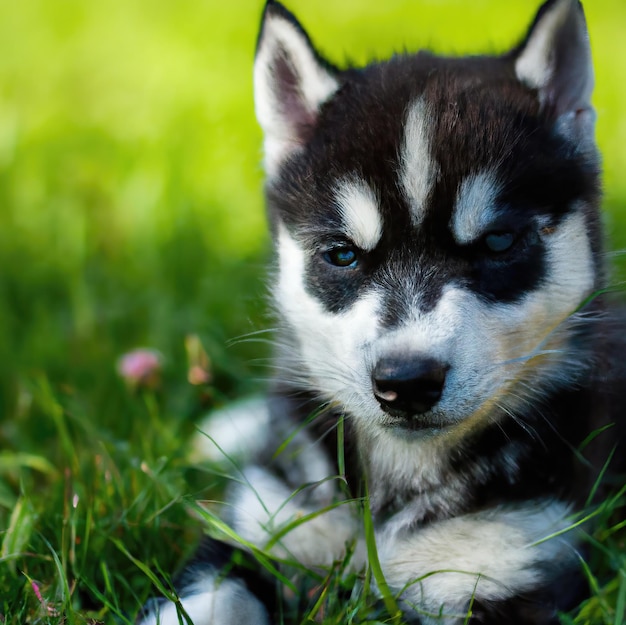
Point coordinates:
[(131, 214)]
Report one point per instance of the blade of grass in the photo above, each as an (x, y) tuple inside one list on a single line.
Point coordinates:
[(305, 518), (53, 408), (66, 598), (9, 461), (226, 531), (145, 569), (598, 482), (374, 564), (19, 532)]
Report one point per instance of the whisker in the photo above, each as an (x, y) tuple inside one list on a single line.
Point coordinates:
[(250, 336)]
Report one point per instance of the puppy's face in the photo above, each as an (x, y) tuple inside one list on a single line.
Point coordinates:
[(435, 222)]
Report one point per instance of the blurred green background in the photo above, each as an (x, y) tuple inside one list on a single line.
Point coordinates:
[(131, 214)]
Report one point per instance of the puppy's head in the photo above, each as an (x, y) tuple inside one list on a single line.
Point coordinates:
[(435, 220)]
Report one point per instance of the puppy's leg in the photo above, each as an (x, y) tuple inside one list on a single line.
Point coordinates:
[(487, 560), (263, 505)]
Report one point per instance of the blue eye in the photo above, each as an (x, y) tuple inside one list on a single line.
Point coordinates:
[(345, 256), (499, 242)]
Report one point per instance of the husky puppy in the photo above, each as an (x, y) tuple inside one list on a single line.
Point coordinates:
[(438, 264)]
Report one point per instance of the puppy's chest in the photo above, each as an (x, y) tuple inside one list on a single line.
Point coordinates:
[(423, 496), (424, 484), (408, 507)]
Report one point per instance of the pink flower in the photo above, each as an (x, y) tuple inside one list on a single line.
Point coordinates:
[(35, 587), (141, 367)]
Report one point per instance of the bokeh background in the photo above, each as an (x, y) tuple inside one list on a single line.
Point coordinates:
[(131, 215)]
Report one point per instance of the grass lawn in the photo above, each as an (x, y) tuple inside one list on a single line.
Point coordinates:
[(131, 215)]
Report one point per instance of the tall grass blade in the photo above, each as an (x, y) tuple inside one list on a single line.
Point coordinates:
[(18, 534), (374, 564)]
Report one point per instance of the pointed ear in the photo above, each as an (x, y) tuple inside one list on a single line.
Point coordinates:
[(291, 82), (555, 59)]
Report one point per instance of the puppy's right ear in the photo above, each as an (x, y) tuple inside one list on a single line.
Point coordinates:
[(291, 82)]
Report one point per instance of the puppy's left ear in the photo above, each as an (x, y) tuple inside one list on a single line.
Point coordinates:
[(291, 82), (555, 59)]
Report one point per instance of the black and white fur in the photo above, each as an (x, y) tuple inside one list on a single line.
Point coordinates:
[(438, 255)]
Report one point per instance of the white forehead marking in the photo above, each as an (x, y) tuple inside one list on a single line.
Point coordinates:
[(418, 168), (474, 208), (359, 211), (535, 66)]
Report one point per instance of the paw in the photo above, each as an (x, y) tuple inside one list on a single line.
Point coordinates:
[(207, 602)]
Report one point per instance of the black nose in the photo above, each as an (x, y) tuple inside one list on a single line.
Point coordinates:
[(408, 386)]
